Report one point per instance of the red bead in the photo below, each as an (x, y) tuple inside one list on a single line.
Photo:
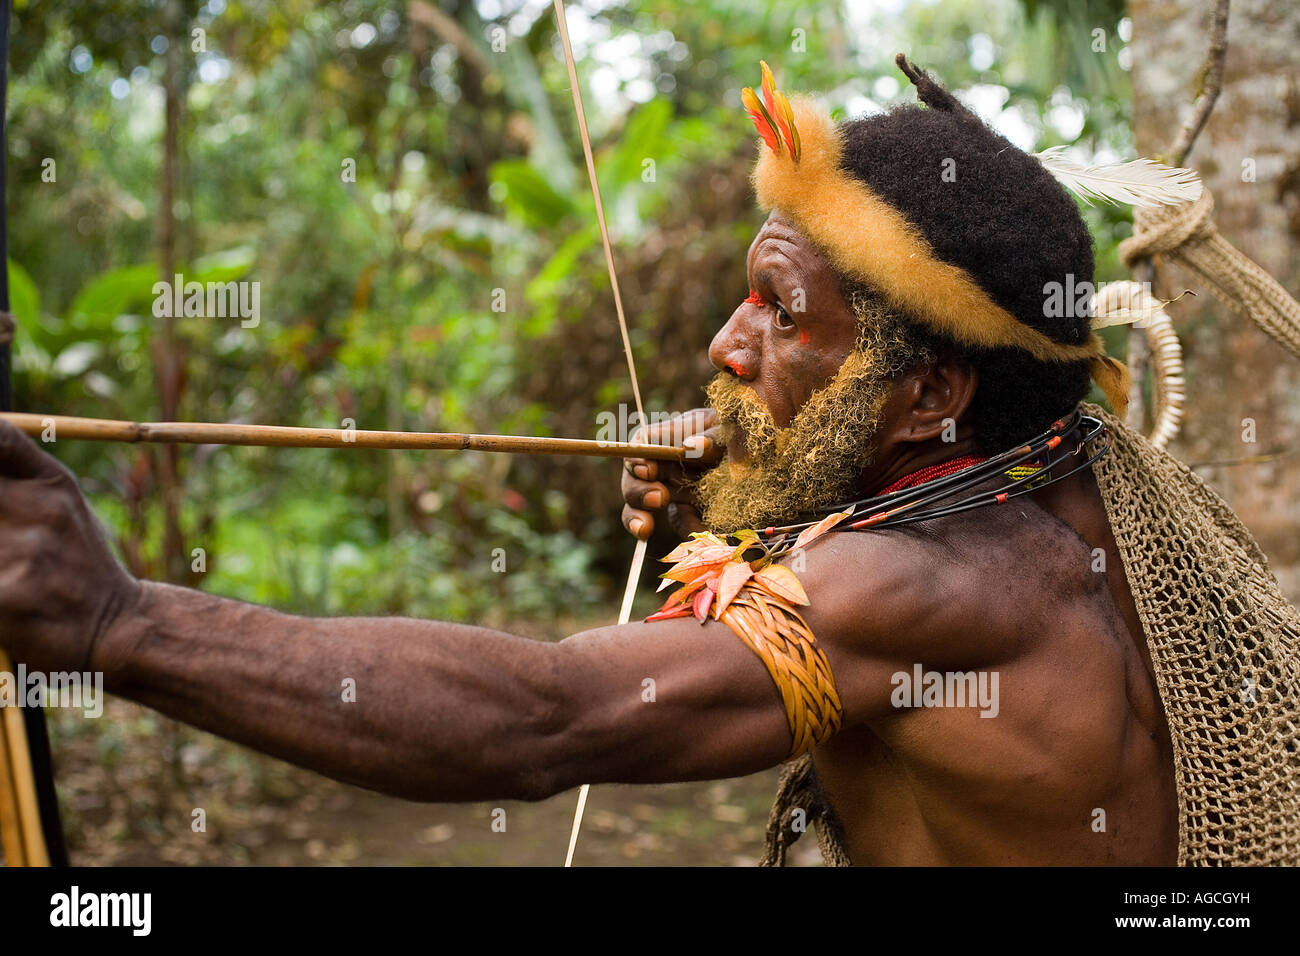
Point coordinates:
[(931, 472)]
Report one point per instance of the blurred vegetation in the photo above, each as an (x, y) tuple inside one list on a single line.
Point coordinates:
[(377, 290)]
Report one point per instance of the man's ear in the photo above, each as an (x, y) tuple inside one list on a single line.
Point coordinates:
[(931, 401)]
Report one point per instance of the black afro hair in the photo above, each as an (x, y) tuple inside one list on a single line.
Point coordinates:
[(996, 212)]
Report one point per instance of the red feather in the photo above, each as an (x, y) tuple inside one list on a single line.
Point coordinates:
[(760, 117)]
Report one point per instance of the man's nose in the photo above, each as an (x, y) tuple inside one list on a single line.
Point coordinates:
[(734, 348)]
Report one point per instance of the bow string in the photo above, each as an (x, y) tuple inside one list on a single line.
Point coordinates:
[(638, 555)]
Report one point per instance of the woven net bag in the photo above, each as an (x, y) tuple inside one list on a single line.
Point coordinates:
[(1225, 644)]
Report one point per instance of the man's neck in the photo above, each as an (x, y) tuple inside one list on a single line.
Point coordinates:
[(904, 459)]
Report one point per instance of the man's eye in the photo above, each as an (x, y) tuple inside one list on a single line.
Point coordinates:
[(782, 320)]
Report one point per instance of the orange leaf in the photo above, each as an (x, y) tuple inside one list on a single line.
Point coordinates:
[(677, 553), (781, 581), (701, 556), (819, 529), (686, 573), (733, 578), (681, 594), (698, 540), (708, 553)]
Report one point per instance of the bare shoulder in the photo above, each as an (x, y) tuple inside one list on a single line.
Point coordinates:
[(965, 590)]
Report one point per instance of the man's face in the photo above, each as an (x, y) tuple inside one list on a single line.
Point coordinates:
[(798, 401)]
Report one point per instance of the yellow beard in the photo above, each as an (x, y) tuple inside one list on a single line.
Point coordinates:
[(814, 462)]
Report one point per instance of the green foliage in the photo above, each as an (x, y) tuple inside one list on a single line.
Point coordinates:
[(456, 281), (526, 194)]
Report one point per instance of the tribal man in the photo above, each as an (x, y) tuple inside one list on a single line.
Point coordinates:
[(980, 622)]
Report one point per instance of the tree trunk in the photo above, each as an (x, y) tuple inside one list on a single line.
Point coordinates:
[(1241, 385), (166, 354)]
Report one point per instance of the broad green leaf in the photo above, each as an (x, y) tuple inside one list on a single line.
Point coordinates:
[(24, 299), (225, 266), (528, 194), (642, 138), (108, 295)]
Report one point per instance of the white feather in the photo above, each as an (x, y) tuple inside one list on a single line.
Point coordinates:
[(1139, 183), (1125, 303)]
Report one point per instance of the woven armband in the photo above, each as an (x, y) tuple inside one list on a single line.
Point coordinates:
[(785, 644), (757, 599)]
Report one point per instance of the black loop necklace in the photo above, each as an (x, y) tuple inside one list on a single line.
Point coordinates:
[(926, 501)]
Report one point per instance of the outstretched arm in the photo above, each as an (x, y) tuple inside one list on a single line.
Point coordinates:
[(444, 711), (422, 709)]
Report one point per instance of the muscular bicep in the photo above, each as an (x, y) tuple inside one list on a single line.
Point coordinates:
[(667, 701), (680, 700)]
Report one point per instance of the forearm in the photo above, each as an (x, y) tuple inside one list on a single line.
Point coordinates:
[(420, 709)]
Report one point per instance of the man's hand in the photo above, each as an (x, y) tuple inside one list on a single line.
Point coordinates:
[(61, 587), (652, 488)]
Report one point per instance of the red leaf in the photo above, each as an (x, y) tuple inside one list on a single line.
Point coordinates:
[(681, 594), (669, 613), (703, 601)]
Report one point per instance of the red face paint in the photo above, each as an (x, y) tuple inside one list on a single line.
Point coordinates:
[(754, 298), (804, 337), (739, 369)]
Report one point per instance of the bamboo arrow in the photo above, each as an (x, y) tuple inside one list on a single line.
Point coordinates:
[(50, 428)]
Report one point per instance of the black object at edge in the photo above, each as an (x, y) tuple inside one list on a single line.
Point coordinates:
[(38, 737)]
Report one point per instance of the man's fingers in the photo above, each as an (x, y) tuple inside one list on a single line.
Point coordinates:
[(642, 468), (696, 421), (640, 523), (705, 449), (647, 485), (647, 495), (20, 457), (674, 430)]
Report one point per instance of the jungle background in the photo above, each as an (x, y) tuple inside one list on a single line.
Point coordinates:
[(455, 282)]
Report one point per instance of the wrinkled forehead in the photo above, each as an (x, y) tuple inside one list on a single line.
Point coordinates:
[(779, 239)]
